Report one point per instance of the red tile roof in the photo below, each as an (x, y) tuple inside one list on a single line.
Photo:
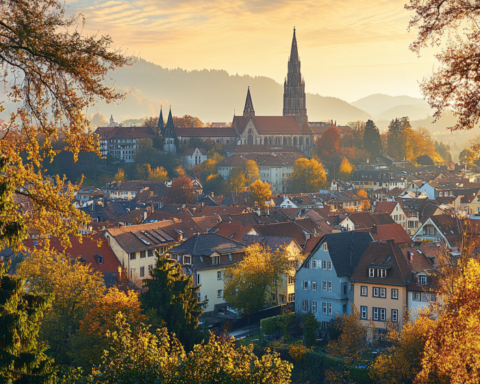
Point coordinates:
[(386, 232), (232, 230), (385, 206), (271, 125), (205, 132)]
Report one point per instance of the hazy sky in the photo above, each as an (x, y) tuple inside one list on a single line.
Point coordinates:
[(348, 48)]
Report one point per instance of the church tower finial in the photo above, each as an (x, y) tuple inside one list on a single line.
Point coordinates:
[(248, 110), (161, 124), (294, 99)]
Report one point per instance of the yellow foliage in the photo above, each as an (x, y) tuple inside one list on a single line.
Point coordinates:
[(308, 176), (297, 351), (180, 171), (261, 193), (251, 171), (238, 181), (120, 175), (345, 170), (157, 174)]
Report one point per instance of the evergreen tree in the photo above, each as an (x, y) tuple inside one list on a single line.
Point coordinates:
[(396, 141), (22, 358), (371, 139), (170, 299)]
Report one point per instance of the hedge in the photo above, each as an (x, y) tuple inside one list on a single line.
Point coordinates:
[(271, 325)]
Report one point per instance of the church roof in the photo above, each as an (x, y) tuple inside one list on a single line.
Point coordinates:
[(266, 125), (170, 121), (205, 132), (160, 120), (248, 110), (294, 50)]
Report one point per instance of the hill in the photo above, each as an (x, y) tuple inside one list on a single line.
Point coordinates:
[(388, 107), (211, 95)]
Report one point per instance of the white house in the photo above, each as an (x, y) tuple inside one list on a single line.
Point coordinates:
[(194, 156)]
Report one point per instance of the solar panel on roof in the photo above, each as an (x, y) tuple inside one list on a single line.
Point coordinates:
[(164, 234)]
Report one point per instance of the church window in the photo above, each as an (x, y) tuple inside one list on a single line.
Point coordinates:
[(265, 140), (294, 141), (289, 140), (250, 137), (306, 141), (300, 141), (284, 141), (277, 141)]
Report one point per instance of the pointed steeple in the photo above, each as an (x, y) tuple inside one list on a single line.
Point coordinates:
[(170, 120), (248, 110), (294, 50), (160, 124)]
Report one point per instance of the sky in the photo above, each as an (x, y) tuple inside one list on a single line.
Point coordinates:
[(348, 48)]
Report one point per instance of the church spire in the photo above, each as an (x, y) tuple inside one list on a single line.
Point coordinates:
[(248, 110), (160, 124), (170, 120), (294, 100)]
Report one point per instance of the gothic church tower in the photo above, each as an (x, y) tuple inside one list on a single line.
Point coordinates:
[(294, 102)]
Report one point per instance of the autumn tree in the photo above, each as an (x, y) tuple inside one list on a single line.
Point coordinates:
[(346, 169), (251, 171), (424, 160), (249, 284), (138, 356), (181, 191), (22, 356), (171, 298), (215, 184), (238, 181), (455, 85), (443, 150), (91, 339), (51, 75), (329, 143), (308, 176), (120, 175), (207, 168), (180, 171), (396, 139), (349, 346), (144, 152), (261, 193), (151, 122), (75, 288), (354, 138), (187, 121), (157, 174), (371, 139)]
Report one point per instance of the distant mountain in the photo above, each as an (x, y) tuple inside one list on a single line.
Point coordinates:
[(388, 107), (211, 95)]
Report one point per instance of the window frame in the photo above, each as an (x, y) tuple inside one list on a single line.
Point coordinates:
[(142, 271), (371, 272), (304, 305), (363, 312), (376, 292), (314, 306), (362, 288), (394, 296), (394, 316), (133, 256), (305, 285), (383, 293), (219, 275), (314, 285)]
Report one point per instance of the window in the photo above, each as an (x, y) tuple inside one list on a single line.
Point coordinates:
[(219, 275), (314, 306), (150, 253), (133, 256), (376, 314), (314, 285), (395, 294), (142, 271), (363, 312), (416, 296), (363, 291), (291, 297), (150, 267), (304, 305), (330, 265), (324, 285), (433, 297), (329, 308), (187, 260), (424, 297), (330, 286), (291, 280), (395, 315), (219, 293), (383, 314), (371, 272), (198, 279), (143, 254), (324, 308), (376, 292), (314, 264), (305, 284), (216, 260), (324, 264), (325, 247), (381, 273), (423, 280), (383, 293)]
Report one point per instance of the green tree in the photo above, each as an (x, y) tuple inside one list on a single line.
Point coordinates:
[(355, 137), (308, 176), (261, 192), (172, 298), (397, 139), (144, 152), (22, 357), (371, 139), (425, 160), (215, 184), (249, 285), (310, 326)]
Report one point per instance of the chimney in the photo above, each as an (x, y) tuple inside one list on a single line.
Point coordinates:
[(374, 229), (212, 194), (410, 256), (145, 214), (258, 212)]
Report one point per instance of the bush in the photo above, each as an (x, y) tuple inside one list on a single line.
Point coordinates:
[(360, 376), (272, 324), (310, 325)]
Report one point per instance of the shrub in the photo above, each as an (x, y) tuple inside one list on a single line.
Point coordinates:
[(273, 324)]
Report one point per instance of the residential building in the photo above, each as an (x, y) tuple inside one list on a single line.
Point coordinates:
[(440, 228), (394, 209), (365, 220), (205, 257), (371, 180), (194, 156), (322, 282), (386, 232), (128, 190), (380, 284)]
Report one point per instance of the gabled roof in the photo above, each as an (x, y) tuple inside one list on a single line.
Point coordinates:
[(185, 132), (345, 249), (231, 230), (449, 228), (273, 242), (386, 232), (271, 125), (385, 206), (191, 151), (287, 229), (205, 244), (383, 255), (364, 220)]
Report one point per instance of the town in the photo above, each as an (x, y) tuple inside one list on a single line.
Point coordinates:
[(265, 249)]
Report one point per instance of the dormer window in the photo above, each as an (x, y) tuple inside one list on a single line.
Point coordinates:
[(187, 260), (423, 280), (325, 247), (215, 260), (382, 273), (371, 272)]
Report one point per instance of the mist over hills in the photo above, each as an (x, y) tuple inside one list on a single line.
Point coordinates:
[(211, 95)]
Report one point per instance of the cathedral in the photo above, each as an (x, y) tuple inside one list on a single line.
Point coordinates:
[(290, 129)]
